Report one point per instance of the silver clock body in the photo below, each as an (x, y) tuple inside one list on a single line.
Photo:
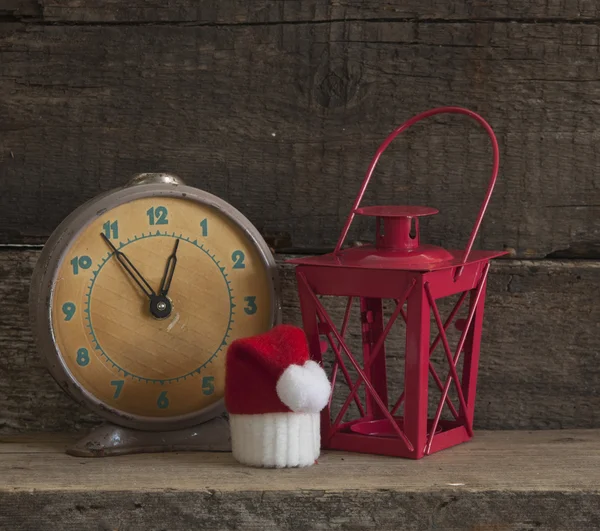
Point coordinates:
[(44, 276)]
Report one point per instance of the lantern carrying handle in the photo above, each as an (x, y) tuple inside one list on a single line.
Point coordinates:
[(404, 127)]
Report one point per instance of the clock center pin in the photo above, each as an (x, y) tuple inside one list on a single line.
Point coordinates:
[(160, 306)]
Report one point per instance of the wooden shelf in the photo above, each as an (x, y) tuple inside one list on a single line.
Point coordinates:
[(500, 480)]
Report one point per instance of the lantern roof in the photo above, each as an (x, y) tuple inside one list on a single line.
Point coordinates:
[(369, 257), (397, 245)]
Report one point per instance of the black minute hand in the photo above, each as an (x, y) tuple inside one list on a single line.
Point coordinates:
[(130, 268), (169, 270)]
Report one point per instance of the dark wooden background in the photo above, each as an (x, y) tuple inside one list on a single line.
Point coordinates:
[(277, 106)]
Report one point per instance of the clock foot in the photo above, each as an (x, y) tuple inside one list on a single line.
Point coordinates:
[(110, 440)]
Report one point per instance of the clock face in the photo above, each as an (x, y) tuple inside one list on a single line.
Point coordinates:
[(144, 351)]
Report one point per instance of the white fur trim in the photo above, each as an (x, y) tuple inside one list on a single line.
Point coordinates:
[(276, 440), (304, 388)]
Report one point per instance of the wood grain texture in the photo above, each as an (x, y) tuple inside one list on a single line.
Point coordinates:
[(297, 511), (278, 108), (539, 364), (277, 11), (499, 481), (53, 470)]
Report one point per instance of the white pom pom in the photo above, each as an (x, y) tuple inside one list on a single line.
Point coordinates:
[(304, 388)]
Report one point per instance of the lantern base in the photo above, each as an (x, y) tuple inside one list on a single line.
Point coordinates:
[(379, 437), (384, 428)]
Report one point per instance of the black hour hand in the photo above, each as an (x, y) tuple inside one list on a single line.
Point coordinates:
[(169, 270)]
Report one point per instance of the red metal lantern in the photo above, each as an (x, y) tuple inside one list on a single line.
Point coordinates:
[(400, 268)]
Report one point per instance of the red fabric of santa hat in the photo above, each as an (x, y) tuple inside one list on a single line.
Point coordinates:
[(274, 393)]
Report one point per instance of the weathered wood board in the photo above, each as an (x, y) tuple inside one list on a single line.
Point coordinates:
[(540, 365), (278, 107), (499, 481), (277, 11)]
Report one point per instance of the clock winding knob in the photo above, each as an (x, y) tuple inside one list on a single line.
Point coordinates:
[(155, 178)]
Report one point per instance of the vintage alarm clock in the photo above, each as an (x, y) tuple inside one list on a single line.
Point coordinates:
[(134, 300)]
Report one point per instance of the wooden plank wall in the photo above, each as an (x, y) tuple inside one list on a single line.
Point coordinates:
[(278, 106), (540, 365)]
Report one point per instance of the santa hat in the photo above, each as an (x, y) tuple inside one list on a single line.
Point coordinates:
[(274, 393)]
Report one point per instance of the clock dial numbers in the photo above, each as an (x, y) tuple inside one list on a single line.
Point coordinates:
[(157, 215), (83, 357), (163, 401), (118, 387), (111, 229), (81, 263), (107, 337), (250, 307), (238, 259), (208, 385), (204, 225), (68, 309)]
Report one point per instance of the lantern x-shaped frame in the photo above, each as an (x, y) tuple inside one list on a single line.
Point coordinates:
[(377, 428)]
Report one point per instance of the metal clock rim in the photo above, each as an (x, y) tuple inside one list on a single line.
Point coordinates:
[(42, 288)]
